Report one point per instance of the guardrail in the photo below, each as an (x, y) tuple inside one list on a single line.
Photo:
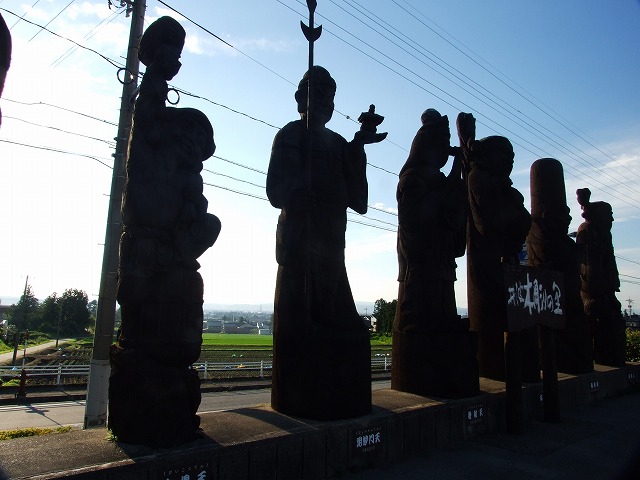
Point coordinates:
[(204, 368)]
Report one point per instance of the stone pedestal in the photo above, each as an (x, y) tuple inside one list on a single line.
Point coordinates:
[(150, 403), (324, 375), (442, 364)]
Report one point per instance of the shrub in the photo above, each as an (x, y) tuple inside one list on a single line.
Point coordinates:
[(30, 432), (633, 345)]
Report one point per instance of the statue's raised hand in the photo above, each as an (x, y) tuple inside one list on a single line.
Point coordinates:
[(365, 137)]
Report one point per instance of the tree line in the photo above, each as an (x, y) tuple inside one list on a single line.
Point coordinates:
[(384, 312), (67, 315)]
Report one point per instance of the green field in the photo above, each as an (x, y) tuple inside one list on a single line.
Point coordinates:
[(254, 340), (236, 340)]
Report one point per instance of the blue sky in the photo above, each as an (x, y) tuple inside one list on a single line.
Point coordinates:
[(558, 78)]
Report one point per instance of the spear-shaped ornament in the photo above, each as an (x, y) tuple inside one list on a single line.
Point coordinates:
[(312, 34)]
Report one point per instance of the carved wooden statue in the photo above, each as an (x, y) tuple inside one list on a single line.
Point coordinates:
[(321, 358), (5, 54), (600, 281), (497, 229), (433, 351), (549, 246), (154, 393)]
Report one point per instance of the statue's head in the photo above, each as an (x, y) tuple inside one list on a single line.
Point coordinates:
[(596, 213), (435, 138), (495, 154), (162, 44), (324, 91), (548, 196)]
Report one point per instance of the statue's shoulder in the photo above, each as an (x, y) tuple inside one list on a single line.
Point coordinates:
[(291, 133)]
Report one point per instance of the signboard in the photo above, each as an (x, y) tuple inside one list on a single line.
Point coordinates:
[(474, 414), (195, 471), (534, 296), (367, 441)]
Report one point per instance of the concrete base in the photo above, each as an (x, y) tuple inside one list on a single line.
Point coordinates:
[(259, 443), (439, 364)]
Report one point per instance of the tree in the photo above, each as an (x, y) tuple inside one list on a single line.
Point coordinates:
[(74, 317), (49, 314), (384, 312), (24, 313), (93, 308)]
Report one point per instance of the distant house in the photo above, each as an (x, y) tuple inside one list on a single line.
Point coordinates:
[(263, 329), (3, 310), (632, 321), (370, 322)]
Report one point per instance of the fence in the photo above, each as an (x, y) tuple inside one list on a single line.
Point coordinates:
[(204, 368)]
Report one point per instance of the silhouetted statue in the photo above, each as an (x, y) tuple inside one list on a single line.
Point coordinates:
[(321, 357), (550, 247), (5, 55), (497, 229), (600, 281), (433, 351), (154, 393)]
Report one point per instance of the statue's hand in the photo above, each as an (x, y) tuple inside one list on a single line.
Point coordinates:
[(365, 138), (466, 124)]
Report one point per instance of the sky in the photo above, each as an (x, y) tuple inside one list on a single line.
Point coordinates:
[(559, 79)]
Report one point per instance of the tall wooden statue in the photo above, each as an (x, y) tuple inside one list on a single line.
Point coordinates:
[(600, 281), (433, 351), (153, 392), (550, 247)]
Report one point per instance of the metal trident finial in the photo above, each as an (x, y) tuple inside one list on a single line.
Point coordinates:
[(310, 32)]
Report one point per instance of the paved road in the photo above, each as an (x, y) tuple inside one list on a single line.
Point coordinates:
[(72, 413)]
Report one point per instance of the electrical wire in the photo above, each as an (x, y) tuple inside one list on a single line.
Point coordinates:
[(59, 108), (111, 144), (49, 149)]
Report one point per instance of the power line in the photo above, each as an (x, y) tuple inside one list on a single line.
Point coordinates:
[(49, 22), (111, 144), (179, 90), (571, 128), (627, 260), (60, 108), (547, 154), (514, 116), (112, 62), (49, 149), (106, 21), (24, 14), (234, 178)]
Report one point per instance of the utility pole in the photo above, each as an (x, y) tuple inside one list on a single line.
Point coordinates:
[(97, 389), (19, 325)]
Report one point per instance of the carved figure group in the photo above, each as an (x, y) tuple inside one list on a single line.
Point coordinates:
[(314, 176)]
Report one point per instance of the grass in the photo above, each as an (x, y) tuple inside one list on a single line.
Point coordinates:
[(236, 340), (31, 432)]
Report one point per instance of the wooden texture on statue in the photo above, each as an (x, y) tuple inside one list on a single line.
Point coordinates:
[(433, 351), (549, 246), (321, 348), (497, 228), (154, 393), (600, 281)]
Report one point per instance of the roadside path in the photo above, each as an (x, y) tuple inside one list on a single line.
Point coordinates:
[(7, 357)]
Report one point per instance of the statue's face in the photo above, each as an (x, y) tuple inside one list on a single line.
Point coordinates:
[(323, 106), (168, 58)]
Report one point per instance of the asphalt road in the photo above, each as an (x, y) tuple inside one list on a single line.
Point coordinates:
[(72, 413)]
